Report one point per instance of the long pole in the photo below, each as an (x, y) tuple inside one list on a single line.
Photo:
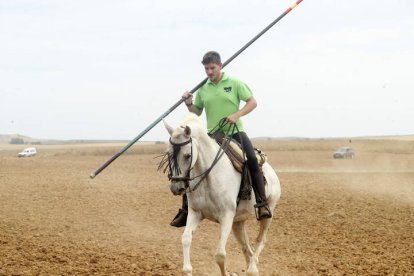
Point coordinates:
[(165, 114)]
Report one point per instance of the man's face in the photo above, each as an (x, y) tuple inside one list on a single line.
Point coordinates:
[(213, 71)]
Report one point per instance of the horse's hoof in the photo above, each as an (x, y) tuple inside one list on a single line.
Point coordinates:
[(252, 270)]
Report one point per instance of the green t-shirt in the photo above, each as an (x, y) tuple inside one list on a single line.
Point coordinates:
[(221, 100)]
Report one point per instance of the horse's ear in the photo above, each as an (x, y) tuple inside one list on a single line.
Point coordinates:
[(187, 131), (168, 127)]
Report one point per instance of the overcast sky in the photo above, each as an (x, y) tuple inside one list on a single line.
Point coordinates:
[(100, 69)]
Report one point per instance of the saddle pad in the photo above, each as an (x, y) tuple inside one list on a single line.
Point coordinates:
[(237, 158), (235, 152)]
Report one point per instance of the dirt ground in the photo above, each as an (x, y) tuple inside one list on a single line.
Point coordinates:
[(335, 217)]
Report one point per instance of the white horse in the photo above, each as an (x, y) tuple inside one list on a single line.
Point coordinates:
[(213, 195)]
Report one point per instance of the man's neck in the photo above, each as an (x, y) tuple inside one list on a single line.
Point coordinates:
[(218, 79)]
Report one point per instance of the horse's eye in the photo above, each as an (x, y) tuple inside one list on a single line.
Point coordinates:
[(187, 156)]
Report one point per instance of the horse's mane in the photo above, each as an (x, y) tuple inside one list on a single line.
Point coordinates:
[(198, 131), (196, 124), (193, 119)]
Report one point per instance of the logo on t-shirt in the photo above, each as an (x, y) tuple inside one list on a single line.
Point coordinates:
[(227, 89)]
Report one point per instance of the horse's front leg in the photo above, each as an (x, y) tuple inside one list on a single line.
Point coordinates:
[(225, 228), (193, 220)]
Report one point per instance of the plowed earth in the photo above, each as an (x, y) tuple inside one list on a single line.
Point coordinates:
[(335, 217)]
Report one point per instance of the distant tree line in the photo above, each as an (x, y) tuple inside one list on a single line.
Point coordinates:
[(20, 141), (17, 141)]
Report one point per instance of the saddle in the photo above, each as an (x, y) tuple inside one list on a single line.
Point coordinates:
[(237, 157)]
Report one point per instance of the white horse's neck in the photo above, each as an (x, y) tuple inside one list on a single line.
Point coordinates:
[(220, 188), (208, 149)]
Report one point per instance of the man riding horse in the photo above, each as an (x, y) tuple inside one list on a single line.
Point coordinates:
[(221, 96)]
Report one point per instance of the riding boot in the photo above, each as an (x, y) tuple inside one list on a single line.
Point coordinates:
[(180, 219), (263, 210)]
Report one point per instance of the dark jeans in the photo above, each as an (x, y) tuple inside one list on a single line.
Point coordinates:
[(256, 174), (252, 163)]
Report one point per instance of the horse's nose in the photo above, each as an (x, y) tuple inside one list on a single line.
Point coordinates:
[(177, 190)]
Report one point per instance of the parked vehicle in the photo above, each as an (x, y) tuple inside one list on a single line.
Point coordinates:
[(27, 152), (344, 153)]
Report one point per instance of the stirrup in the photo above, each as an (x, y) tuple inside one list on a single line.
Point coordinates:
[(264, 205)]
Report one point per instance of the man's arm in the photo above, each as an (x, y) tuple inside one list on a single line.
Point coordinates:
[(189, 103), (251, 104), (194, 109)]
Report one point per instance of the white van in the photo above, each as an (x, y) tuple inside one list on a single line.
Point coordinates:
[(27, 152)]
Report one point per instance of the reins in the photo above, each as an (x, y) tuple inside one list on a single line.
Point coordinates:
[(217, 130), (203, 175)]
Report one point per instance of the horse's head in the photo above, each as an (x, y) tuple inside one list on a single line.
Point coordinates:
[(180, 158)]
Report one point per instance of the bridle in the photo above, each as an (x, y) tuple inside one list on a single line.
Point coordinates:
[(169, 160), (173, 157), (187, 178)]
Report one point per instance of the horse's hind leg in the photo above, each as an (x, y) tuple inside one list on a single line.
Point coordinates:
[(225, 229), (240, 233), (260, 242), (193, 221)]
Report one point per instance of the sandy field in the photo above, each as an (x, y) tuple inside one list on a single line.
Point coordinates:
[(335, 217)]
